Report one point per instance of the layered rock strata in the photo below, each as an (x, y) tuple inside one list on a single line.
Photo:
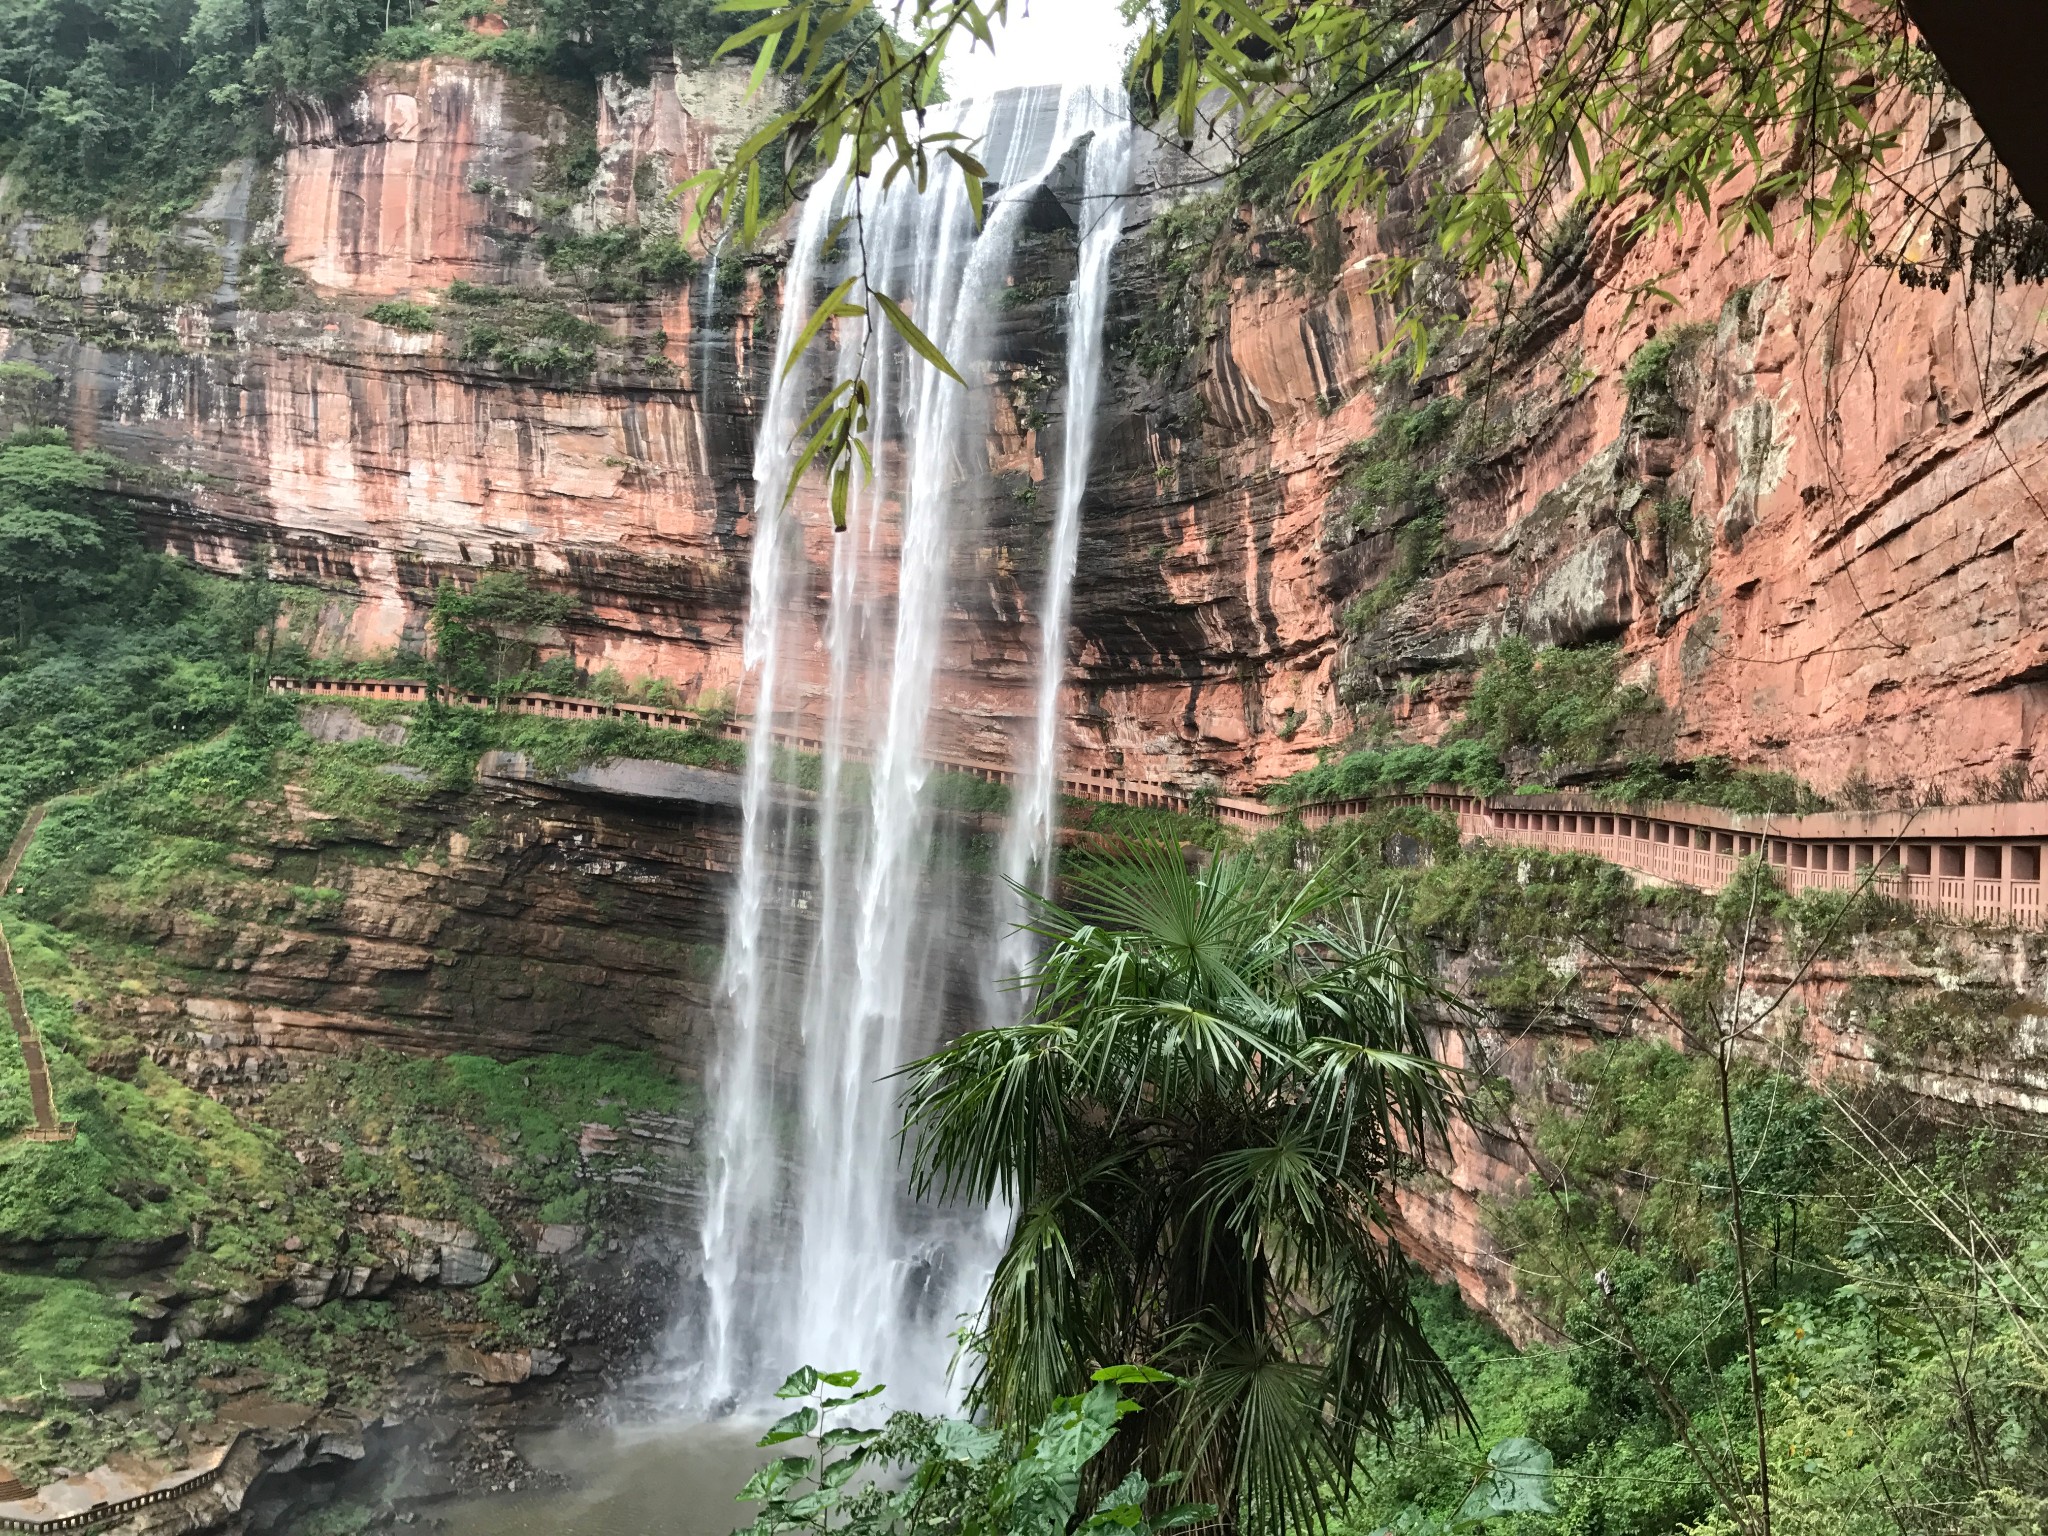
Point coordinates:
[(1815, 543)]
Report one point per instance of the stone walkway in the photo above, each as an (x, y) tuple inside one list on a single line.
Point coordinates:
[(1972, 863), (107, 1493)]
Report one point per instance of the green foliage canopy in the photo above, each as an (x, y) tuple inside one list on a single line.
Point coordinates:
[(56, 543), (1470, 765), (138, 103), (1567, 705)]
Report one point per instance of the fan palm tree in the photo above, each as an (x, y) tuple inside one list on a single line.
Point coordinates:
[(1196, 1127)]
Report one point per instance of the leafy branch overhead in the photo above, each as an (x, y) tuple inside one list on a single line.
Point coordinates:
[(1481, 121), (860, 110)]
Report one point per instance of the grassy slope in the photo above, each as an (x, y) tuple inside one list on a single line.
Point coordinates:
[(150, 725)]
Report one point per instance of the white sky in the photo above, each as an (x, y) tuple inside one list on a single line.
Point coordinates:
[(1047, 42)]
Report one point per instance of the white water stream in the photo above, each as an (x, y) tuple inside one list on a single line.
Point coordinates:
[(855, 943)]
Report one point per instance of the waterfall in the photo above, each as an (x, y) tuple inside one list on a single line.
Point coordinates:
[(1027, 840), (857, 940), (704, 344)]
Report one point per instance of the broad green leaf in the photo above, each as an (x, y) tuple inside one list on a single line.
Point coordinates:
[(854, 1397), (801, 1382), (1516, 1481), (774, 1479), (832, 1439), (958, 1440), (917, 340), (791, 1426)]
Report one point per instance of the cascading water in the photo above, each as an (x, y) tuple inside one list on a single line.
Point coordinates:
[(702, 352), (855, 943), (1027, 840)]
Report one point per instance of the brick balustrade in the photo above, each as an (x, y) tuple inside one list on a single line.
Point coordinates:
[(1971, 863)]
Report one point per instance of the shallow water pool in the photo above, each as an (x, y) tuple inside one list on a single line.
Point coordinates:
[(676, 1480)]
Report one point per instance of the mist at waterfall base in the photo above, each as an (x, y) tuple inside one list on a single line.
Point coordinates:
[(863, 932)]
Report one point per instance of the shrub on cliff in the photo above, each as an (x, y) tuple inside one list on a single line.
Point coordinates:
[(1470, 765), (1565, 707), (488, 637)]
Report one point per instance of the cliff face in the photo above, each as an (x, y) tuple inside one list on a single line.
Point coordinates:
[(523, 917), (1950, 1026), (1814, 526), (1817, 538), (1819, 546), (232, 365)]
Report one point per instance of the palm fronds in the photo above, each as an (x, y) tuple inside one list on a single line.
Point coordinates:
[(1222, 1071)]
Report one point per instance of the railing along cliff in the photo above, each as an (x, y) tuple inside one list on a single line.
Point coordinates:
[(1094, 786), (1970, 863), (42, 1098), (56, 1508)]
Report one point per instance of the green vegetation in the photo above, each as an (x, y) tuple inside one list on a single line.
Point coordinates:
[(429, 1136), (1527, 916), (1867, 1247), (1715, 781), (919, 1474), (1550, 708), (488, 637), (136, 108), (480, 1142), (618, 263), (534, 337), (1394, 770), (59, 542), (1394, 475), (1882, 1277), (1547, 710), (1416, 547), (140, 656), (1140, 823), (1652, 390), (444, 33), (1224, 1072), (1565, 708), (402, 315), (1180, 251), (1394, 481)]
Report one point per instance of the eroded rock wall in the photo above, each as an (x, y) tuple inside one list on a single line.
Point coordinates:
[(234, 370), (1914, 1025), (1826, 559), (1823, 558), (519, 918)]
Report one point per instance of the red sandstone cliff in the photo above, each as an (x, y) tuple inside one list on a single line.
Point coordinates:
[(1857, 588), (1852, 591), (1854, 586), (374, 458)]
